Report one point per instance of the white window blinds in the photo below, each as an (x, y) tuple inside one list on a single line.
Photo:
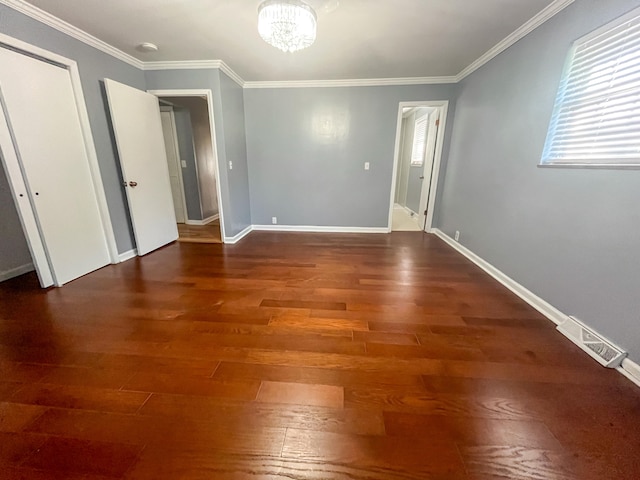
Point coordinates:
[(419, 141), (596, 120)]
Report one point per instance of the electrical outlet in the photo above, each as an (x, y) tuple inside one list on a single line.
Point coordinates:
[(457, 237), (274, 220), (183, 163), (230, 165), (366, 165)]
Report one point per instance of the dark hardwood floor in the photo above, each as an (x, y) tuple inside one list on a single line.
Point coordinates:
[(301, 356)]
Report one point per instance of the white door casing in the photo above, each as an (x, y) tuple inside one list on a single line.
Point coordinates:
[(208, 95), (47, 139), (174, 165), (442, 107), (137, 125)]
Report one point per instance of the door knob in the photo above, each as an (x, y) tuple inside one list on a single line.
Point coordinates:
[(421, 178), (133, 184)]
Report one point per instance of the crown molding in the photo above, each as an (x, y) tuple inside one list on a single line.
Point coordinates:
[(48, 19), (68, 29), (546, 14), (356, 82), (194, 65)]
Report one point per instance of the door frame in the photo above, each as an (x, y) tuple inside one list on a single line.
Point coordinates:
[(208, 95), (443, 107), (36, 242), (174, 132)]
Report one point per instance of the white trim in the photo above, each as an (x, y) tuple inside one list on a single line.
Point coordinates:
[(17, 271), (204, 221), (205, 93), (545, 308), (94, 166), (631, 370), (317, 229), (355, 82), (195, 65), (443, 108), (236, 238), (71, 30), (123, 257), (60, 25), (546, 14)]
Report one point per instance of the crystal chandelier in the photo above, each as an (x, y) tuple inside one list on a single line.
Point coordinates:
[(289, 25)]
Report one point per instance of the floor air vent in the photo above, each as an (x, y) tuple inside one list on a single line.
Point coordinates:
[(599, 348)]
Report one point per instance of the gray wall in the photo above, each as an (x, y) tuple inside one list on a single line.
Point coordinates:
[(307, 148), (184, 132), (233, 114), (94, 66), (229, 128), (14, 251), (569, 235), (205, 158)]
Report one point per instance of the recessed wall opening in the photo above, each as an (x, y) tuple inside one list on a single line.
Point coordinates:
[(419, 140), (192, 168)]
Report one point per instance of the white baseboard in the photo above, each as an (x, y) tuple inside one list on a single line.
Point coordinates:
[(123, 257), (204, 221), (545, 308), (318, 229), (17, 271), (629, 368), (239, 236), (303, 228)]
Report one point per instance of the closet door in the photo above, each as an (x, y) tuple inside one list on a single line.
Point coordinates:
[(41, 113)]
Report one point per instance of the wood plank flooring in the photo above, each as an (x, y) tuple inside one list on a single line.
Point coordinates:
[(301, 356), (209, 233)]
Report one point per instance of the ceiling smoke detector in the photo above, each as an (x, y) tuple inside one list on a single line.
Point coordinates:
[(147, 47)]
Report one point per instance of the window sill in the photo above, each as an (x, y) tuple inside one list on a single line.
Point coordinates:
[(591, 166)]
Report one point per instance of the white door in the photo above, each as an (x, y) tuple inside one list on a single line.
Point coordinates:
[(427, 172), (173, 163), (47, 144), (137, 126)]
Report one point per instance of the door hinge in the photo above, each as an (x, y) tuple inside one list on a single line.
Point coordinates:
[(437, 122)]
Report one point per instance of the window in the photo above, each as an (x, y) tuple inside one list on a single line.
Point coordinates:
[(419, 142), (596, 119)]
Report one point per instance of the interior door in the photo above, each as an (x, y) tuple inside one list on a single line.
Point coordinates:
[(46, 144), (173, 163), (427, 172), (137, 126)]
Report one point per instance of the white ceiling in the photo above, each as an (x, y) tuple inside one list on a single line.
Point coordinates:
[(357, 39)]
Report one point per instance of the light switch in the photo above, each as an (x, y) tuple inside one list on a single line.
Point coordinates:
[(184, 163), (366, 165), (230, 165)]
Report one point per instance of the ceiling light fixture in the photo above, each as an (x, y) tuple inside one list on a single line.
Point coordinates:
[(289, 25)]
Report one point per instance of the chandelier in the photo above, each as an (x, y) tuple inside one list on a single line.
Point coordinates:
[(289, 25)]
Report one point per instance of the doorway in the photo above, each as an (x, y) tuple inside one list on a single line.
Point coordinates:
[(419, 139), (192, 163)]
